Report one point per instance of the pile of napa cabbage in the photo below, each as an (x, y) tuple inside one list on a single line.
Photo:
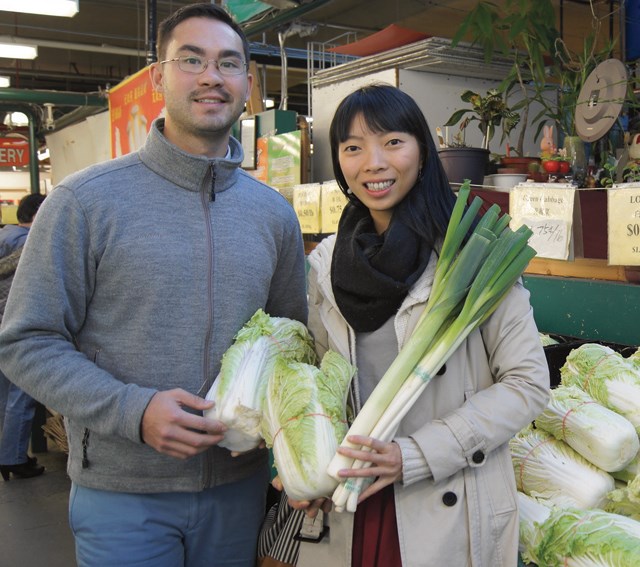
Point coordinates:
[(578, 468)]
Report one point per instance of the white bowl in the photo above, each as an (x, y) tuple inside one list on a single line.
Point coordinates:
[(504, 181)]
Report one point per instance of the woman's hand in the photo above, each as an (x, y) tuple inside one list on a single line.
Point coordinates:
[(385, 459), (310, 507)]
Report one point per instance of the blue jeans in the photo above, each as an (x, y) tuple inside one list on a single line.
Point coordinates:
[(217, 527), (19, 411)]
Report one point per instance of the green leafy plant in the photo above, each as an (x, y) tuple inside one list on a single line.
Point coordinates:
[(520, 30), (490, 111), (607, 180), (631, 172)]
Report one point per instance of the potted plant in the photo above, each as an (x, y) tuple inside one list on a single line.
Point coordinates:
[(490, 111)]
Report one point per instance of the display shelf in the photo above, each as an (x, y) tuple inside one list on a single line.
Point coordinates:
[(594, 310)]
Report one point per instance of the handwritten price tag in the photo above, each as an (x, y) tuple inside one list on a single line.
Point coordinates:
[(624, 226), (550, 237)]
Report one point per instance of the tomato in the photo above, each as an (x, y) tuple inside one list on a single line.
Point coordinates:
[(551, 166)]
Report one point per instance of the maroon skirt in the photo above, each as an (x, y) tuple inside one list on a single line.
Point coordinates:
[(375, 532)]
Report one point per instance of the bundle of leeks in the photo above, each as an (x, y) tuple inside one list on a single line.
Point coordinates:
[(471, 279)]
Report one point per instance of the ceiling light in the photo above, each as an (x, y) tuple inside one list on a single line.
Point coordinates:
[(14, 119), (10, 49), (5, 81), (65, 8)]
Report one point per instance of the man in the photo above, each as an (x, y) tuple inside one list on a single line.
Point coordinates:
[(151, 263)]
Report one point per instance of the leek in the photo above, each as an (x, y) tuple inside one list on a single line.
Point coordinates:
[(239, 388), (603, 437), (469, 283), (545, 467), (304, 419), (557, 537), (607, 377)]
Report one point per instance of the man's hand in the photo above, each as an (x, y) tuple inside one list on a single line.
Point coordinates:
[(171, 430), (310, 507)]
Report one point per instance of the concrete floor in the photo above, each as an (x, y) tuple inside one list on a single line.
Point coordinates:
[(34, 527)]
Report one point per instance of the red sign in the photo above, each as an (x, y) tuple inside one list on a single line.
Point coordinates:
[(133, 106), (14, 152)]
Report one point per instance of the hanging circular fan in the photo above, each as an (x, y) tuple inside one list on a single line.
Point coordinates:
[(601, 99)]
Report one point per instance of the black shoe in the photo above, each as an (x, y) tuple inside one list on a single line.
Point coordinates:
[(24, 470)]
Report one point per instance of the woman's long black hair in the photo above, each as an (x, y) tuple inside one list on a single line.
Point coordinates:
[(427, 207)]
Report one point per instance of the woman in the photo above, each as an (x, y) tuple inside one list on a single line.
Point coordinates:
[(444, 490)]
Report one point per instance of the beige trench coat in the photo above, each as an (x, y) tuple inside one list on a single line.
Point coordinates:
[(495, 384)]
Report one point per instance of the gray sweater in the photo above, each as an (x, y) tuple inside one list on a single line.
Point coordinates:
[(138, 274)]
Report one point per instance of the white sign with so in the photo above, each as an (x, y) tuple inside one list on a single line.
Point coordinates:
[(548, 212)]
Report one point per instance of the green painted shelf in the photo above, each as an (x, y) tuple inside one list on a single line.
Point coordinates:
[(593, 310)]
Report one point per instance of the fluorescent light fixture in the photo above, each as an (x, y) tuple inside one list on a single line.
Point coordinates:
[(67, 8), (5, 81), (13, 119), (11, 49)]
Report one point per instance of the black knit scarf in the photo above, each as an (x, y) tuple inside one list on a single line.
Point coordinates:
[(371, 273)]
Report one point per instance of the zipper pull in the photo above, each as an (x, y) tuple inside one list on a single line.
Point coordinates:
[(213, 183)]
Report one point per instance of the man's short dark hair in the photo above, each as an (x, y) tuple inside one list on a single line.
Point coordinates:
[(203, 10), (29, 206)]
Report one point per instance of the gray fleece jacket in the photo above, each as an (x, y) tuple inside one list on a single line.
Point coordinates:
[(137, 274)]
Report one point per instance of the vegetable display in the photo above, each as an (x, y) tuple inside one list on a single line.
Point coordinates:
[(600, 435), (239, 388), (470, 281), (305, 420)]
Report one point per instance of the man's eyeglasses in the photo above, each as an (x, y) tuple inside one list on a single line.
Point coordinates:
[(195, 65)]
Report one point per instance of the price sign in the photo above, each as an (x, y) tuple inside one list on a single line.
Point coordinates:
[(624, 226), (548, 212), (333, 202), (306, 202)]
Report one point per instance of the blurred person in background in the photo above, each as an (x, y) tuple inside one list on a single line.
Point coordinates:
[(17, 408)]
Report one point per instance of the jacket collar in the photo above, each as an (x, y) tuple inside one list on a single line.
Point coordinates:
[(187, 170)]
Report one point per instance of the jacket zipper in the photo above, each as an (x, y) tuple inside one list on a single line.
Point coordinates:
[(213, 183), (207, 473), (85, 436)]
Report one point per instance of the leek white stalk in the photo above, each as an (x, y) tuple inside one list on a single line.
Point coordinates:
[(600, 435), (547, 468), (468, 286)]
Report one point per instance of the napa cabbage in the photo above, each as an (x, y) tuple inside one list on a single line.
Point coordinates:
[(607, 377), (545, 467), (304, 421), (600, 435), (571, 537), (239, 388)]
